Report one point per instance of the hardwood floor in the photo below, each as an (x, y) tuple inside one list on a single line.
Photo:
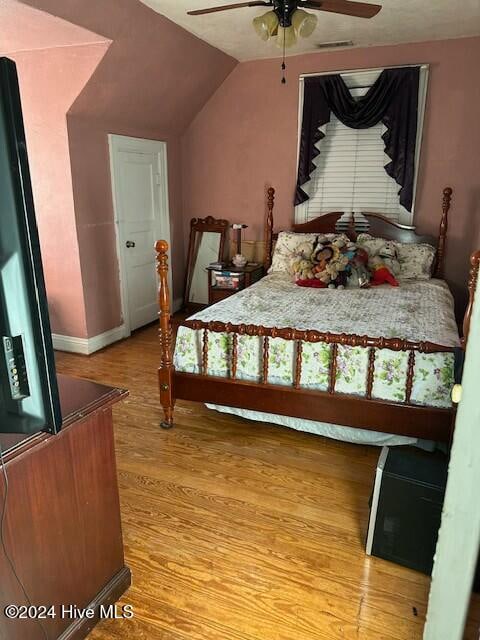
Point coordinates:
[(243, 531)]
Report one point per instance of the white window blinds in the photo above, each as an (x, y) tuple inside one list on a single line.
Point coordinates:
[(350, 174)]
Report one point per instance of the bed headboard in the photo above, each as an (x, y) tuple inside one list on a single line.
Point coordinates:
[(373, 223)]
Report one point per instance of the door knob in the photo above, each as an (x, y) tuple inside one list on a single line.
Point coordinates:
[(129, 244)]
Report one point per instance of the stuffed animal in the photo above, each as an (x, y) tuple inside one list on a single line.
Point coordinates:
[(381, 274), (322, 257), (327, 263), (336, 269), (330, 263), (388, 253), (359, 275), (300, 264), (302, 269)]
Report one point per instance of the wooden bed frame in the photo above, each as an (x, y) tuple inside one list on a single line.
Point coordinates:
[(325, 406)]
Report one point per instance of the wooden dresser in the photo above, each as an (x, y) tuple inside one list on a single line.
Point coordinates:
[(62, 525)]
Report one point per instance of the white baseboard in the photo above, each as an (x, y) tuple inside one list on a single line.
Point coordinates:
[(86, 346)]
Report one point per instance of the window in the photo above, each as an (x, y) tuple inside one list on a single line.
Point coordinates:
[(350, 174)]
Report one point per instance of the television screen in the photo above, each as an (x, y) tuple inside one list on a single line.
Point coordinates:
[(29, 400)]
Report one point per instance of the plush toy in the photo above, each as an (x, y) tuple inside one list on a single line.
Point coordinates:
[(302, 269), (330, 263), (327, 264), (388, 253), (381, 274), (336, 269), (305, 249), (322, 256), (300, 264), (359, 275)]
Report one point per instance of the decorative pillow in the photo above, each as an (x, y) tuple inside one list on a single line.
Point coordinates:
[(285, 249), (416, 260), (287, 244)]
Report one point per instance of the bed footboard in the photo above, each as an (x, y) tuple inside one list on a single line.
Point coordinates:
[(366, 412)]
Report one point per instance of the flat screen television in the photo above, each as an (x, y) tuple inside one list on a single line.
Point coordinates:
[(29, 399)]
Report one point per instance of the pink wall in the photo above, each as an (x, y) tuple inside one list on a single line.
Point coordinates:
[(50, 80), (153, 80), (246, 138)]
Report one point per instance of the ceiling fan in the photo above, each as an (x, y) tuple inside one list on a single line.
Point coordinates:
[(288, 19)]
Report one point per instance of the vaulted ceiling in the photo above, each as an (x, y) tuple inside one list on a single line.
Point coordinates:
[(398, 21)]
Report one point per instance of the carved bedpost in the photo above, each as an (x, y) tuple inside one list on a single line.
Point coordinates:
[(442, 235), (267, 262), (472, 287), (165, 372)]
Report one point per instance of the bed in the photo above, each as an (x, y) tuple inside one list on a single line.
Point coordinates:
[(372, 366)]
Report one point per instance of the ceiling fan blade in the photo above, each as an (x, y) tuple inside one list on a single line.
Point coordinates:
[(225, 7), (345, 7)]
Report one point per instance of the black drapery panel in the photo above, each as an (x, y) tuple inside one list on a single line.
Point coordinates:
[(393, 99)]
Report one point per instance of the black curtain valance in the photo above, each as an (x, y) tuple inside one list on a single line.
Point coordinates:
[(392, 99)]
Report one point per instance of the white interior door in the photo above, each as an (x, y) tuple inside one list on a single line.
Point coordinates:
[(140, 194)]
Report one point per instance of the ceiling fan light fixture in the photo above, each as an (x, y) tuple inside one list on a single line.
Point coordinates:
[(286, 37), (266, 25), (304, 23)]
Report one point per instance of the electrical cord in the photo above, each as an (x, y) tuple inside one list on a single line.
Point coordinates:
[(3, 514)]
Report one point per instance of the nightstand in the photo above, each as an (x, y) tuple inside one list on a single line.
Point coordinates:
[(246, 276)]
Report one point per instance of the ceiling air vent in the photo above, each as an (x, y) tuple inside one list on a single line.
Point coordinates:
[(335, 45)]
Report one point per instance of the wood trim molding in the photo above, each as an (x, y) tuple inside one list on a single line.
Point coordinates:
[(112, 592)]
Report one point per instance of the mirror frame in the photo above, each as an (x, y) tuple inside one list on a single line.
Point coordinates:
[(200, 226)]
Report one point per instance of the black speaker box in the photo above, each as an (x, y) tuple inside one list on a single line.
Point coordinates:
[(406, 507)]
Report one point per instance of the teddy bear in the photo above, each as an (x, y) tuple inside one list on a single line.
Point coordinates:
[(300, 264), (302, 269)]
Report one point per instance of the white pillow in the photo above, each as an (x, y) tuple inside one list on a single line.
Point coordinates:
[(416, 260), (287, 243)]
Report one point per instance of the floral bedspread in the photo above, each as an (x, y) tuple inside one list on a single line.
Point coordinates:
[(421, 310)]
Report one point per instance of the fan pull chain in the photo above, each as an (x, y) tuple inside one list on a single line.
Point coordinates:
[(284, 66)]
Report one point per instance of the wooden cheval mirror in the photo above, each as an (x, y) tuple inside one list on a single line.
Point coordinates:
[(207, 244)]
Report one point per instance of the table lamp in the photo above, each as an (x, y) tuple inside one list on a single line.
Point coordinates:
[(238, 259)]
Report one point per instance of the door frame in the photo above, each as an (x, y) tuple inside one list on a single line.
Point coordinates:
[(116, 143), (456, 554)]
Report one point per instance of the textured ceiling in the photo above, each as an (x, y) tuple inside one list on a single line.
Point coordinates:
[(25, 29), (398, 21)]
